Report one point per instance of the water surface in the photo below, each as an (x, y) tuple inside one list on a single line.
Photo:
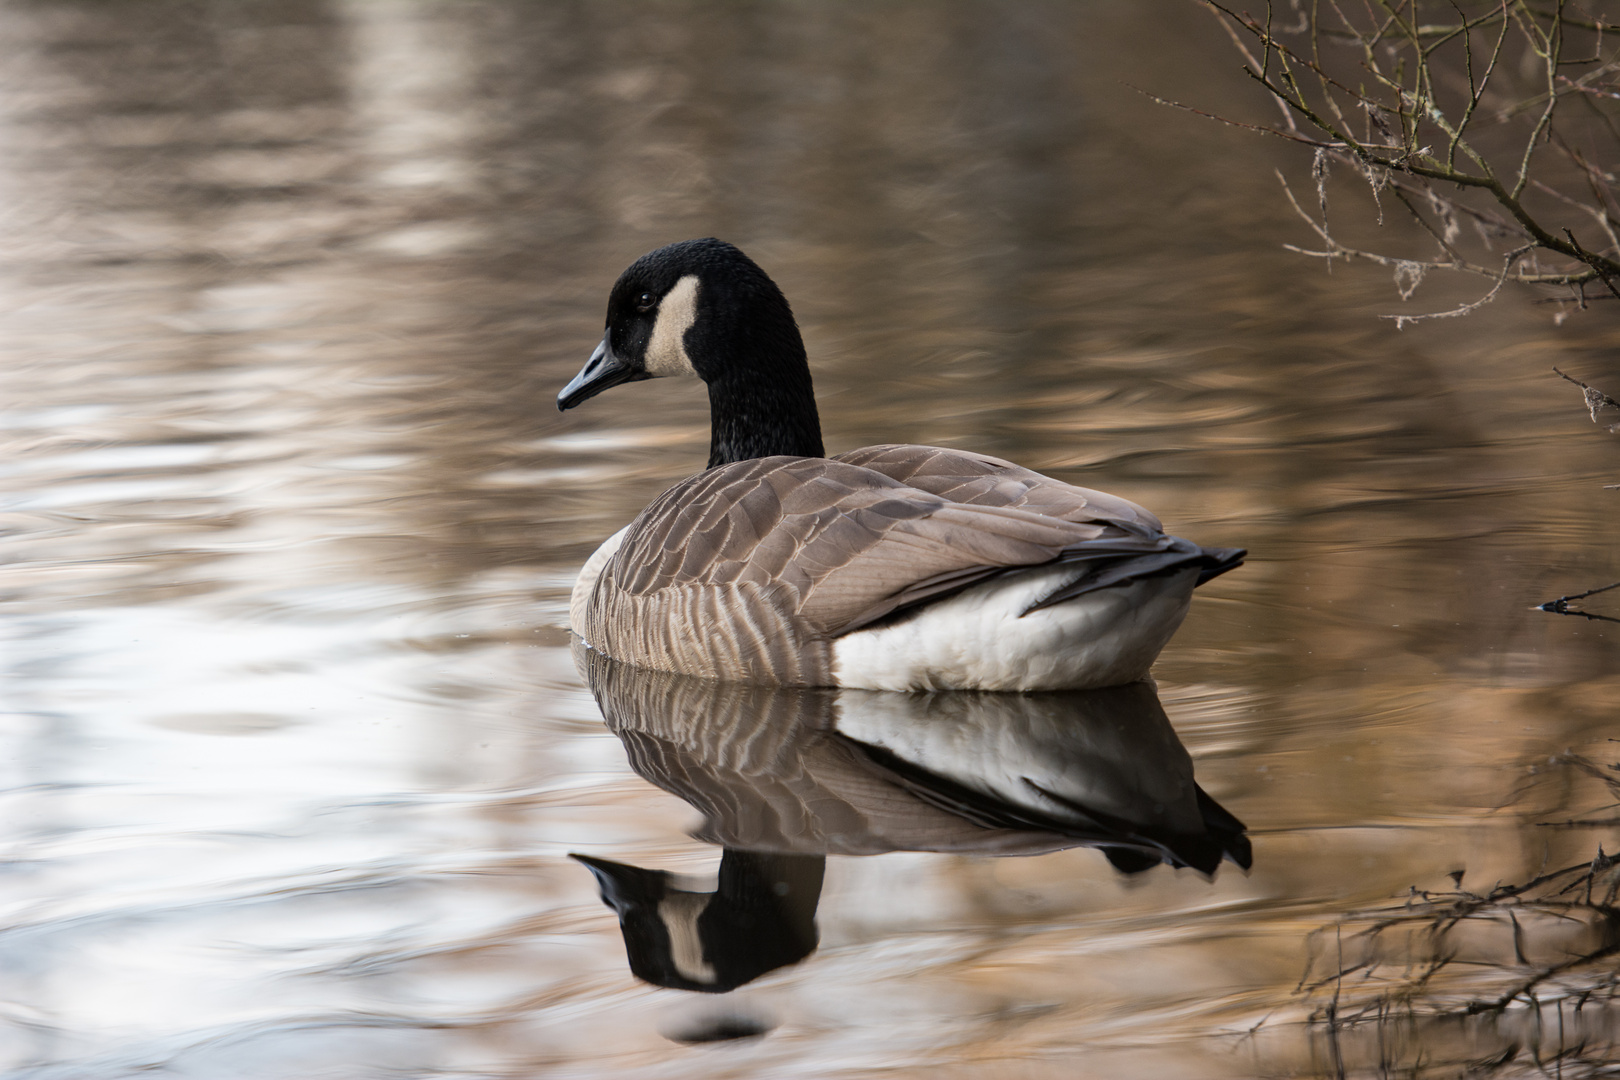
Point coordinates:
[(294, 747)]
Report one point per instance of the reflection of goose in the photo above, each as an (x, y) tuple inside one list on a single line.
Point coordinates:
[(760, 917), (857, 772), (890, 567)]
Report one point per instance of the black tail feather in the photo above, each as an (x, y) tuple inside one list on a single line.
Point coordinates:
[(1220, 561)]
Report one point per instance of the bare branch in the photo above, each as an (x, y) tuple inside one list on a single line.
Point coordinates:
[(1550, 43), (1415, 138), (1507, 265), (1547, 942), (1561, 606), (1261, 128), (1476, 93)]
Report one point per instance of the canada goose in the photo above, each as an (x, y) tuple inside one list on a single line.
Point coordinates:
[(821, 771), (888, 567)]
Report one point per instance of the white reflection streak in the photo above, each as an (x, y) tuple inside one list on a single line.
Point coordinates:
[(199, 791), (410, 81)]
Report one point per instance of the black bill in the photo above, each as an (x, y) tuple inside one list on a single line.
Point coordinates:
[(601, 371)]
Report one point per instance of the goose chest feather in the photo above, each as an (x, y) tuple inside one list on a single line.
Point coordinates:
[(890, 567)]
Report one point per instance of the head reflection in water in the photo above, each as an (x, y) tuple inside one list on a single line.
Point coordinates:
[(761, 916), (784, 777)]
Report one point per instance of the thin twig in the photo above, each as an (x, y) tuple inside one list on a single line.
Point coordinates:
[(1595, 399), (1261, 128), (1401, 68), (1561, 606)]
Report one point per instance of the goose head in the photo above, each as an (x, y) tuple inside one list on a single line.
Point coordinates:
[(702, 309)]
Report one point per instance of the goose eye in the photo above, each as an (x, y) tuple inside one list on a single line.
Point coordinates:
[(644, 302)]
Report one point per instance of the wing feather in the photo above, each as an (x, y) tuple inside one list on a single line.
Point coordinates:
[(979, 479), (824, 546)]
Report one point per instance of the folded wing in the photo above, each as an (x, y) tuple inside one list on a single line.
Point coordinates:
[(746, 571)]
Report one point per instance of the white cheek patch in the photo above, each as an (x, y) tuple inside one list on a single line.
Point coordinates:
[(666, 351), (679, 913)]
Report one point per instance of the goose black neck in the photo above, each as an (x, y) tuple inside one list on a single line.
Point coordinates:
[(760, 413)]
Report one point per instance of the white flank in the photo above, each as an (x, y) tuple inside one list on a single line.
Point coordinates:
[(976, 640), (587, 580), (992, 755), (1109, 754), (677, 311)]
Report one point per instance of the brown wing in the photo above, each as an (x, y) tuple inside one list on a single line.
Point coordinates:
[(745, 571), (838, 543), (981, 480)]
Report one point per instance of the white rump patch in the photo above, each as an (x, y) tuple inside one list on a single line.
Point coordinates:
[(586, 581), (666, 351), (976, 640)]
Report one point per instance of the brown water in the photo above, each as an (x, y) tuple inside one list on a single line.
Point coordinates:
[(294, 748)]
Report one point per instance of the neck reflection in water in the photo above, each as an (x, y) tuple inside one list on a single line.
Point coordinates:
[(785, 777)]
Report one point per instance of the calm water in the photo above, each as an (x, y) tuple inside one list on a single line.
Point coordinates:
[(294, 748)]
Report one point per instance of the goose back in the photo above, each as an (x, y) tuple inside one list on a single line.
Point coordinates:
[(982, 480)]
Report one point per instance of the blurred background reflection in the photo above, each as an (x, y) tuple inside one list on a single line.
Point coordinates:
[(294, 749)]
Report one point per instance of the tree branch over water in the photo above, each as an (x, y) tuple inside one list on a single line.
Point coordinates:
[(1596, 401), (1561, 606), (1486, 123), (1528, 966)]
